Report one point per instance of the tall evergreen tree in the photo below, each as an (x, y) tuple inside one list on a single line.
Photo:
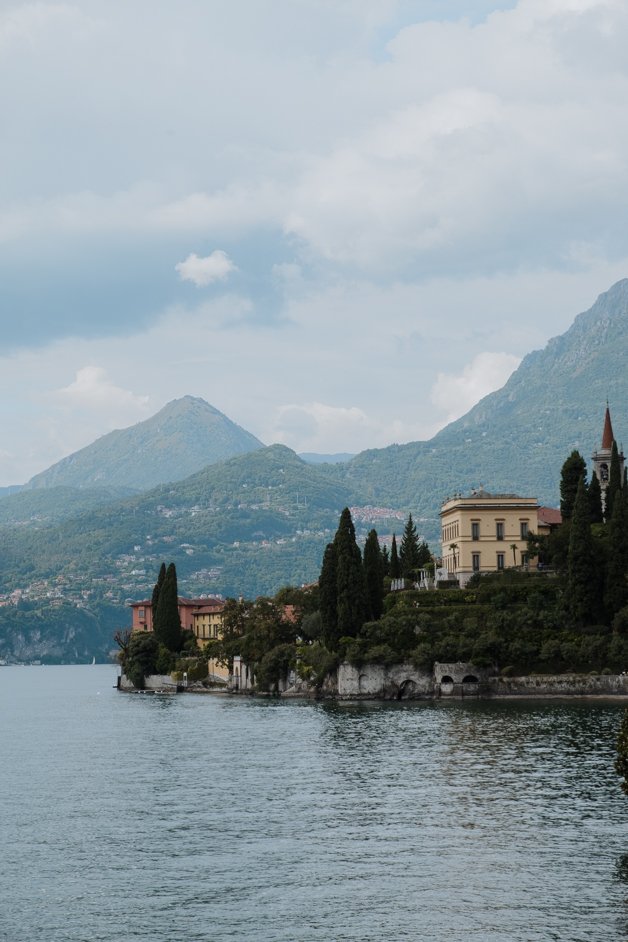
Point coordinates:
[(157, 589), (167, 623), (614, 483), (583, 590), (351, 598), (595, 500), (616, 587), (385, 560), (409, 550), (328, 597), (395, 565), (572, 470), (374, 575), (425, 555)]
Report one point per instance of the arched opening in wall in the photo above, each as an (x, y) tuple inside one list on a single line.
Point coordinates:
[(407, 690), (470, 686), (446, 685), (361, 683)]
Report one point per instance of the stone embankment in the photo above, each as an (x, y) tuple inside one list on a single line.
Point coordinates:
[(461, 681)]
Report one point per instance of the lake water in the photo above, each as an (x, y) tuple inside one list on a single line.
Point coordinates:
[(215, 818)]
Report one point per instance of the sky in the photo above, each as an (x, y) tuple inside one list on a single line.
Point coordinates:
[(341, 222)]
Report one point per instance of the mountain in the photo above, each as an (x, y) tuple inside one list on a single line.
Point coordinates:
[(313, 457), (186, 435), (516, 439), (261, 520)]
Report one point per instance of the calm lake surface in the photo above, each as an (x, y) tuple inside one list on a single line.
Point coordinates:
[(213, 818)]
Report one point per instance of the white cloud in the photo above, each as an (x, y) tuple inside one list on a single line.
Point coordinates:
[(205, 271), (93, 388), (456, 394)]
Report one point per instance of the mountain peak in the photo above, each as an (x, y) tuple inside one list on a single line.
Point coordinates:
[(185, 436)]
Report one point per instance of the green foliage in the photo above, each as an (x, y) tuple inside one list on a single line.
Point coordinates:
[(315, 663), (573, 470), (595, 500), (374, 575), (583, 594), (166, 621), (614, 483), (141, 658), (621, 761), (395, 562), (157, 589), (328, 596), (409, 550), (616, 587)]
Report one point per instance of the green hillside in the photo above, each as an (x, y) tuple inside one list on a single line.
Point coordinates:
[(517, 438)]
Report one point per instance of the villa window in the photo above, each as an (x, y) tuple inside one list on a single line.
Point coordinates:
[(499, 530), (524, 529), (500, 561), (475, 562), (475, 531)]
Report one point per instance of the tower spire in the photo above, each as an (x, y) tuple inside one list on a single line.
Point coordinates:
[(607, 436)]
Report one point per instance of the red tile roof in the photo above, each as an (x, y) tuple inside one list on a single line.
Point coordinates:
[(550, 516)]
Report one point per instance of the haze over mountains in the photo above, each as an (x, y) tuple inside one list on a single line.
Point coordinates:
[(261, 519)]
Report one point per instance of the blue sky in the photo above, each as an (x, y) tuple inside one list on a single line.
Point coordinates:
[(342, 222)]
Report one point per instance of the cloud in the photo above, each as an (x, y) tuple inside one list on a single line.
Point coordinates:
[(92, 388), (456, 394), (205, 271)]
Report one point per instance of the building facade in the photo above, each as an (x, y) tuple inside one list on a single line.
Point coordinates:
[(486, 532), (202, 616)]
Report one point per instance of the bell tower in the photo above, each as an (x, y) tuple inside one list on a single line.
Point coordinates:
[(602, 458)]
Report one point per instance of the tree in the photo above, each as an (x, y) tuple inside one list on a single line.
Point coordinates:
[(351, 584), (385, 560), (328, 596), (621, 761), (395, 565), (140, 658), (582, 589), (595, 500), (374, 575), (572, 470), (616, 587), (157, 589), (614, 483), (409, 550), (166, 621), (342, 585)]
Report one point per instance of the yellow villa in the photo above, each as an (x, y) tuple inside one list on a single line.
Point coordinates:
[(486, 532), (207, 626)]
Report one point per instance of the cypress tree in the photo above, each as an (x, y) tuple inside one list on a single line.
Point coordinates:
[(425, 555), (572, 470), (614, 483), (328, 597), (595, 500), (409, 550), (374, 575), (395, 565), (157, 589), (167, 624), (582, 588), (616, 587), (385, 560), (351, 584)]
